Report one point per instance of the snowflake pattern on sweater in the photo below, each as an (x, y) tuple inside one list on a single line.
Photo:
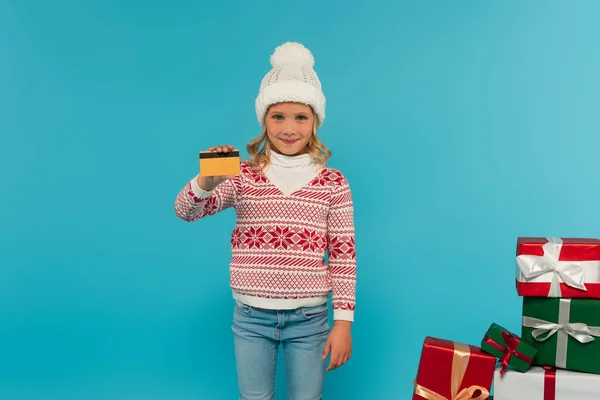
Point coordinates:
[(279, 243)]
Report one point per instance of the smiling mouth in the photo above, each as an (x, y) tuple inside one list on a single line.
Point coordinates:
[(289, 141)]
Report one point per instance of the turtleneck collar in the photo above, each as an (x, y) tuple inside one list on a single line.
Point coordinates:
[(301, 160)]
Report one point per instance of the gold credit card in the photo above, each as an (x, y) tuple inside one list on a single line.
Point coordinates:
[(213, 163)]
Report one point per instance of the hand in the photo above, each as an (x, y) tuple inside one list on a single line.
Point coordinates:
[(339, 342), (208, 183)]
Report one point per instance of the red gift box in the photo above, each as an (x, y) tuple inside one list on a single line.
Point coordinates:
[(554, 267), (453, 371)]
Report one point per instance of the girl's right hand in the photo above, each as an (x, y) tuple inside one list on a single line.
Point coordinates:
[(209, 183)]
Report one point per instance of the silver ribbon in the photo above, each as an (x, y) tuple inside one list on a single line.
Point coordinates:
[(563, 328), (571, 273)]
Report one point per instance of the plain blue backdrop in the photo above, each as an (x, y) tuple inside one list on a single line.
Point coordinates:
[(460, 126)]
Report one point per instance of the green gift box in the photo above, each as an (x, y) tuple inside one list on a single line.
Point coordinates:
[(508, 348), (565, 332)]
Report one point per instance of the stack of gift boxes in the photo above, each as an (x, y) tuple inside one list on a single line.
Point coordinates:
[(557, 354)]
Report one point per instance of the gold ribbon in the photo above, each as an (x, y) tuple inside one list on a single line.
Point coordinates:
[(460, 361)]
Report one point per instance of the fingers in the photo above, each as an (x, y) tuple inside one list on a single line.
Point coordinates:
[(337, 360), (347, 357), (221, 149), (326, 349), (332, 363)]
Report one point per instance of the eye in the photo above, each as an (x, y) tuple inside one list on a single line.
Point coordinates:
[(302, 117), (277, 117)]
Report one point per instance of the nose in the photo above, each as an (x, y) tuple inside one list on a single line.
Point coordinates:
[(289, 130), (290, 126)]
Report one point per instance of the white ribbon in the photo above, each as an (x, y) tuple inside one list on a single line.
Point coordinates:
[(571, 273), (578, 330)]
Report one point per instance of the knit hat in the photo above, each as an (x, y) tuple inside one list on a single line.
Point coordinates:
[(292, 79)]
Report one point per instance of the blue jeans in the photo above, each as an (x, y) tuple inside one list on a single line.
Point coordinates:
[(301, 332)]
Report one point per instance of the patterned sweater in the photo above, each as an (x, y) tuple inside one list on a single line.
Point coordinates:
[(279, 242)]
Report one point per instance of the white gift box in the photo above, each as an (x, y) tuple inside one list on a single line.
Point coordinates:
[(530, 385)]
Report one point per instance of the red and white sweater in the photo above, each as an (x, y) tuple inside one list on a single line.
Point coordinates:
[(281, 238)]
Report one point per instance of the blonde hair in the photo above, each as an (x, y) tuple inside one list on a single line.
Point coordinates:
[(260, 148)]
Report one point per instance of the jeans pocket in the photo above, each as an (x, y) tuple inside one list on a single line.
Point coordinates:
[(243, 308), (314, 312)]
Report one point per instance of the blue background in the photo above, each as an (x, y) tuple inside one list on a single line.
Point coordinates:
[(460, 125)]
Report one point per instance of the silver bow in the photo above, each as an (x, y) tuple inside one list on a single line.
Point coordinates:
[(571, 273), (578, 330)]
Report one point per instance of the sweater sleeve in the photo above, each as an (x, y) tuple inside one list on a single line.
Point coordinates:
[(193, 203), (342, 254)]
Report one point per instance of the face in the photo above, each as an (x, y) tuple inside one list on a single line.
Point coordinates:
[(289, 127)]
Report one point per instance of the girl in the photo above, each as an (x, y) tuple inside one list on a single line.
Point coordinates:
[(290, 211)]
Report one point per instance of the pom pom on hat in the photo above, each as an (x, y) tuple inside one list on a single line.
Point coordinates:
[(292, 53), (292, 79)]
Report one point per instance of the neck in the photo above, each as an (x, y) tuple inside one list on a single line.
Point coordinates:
[(298, 160)]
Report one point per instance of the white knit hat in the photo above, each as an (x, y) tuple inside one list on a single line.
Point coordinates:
[(292, 79)]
